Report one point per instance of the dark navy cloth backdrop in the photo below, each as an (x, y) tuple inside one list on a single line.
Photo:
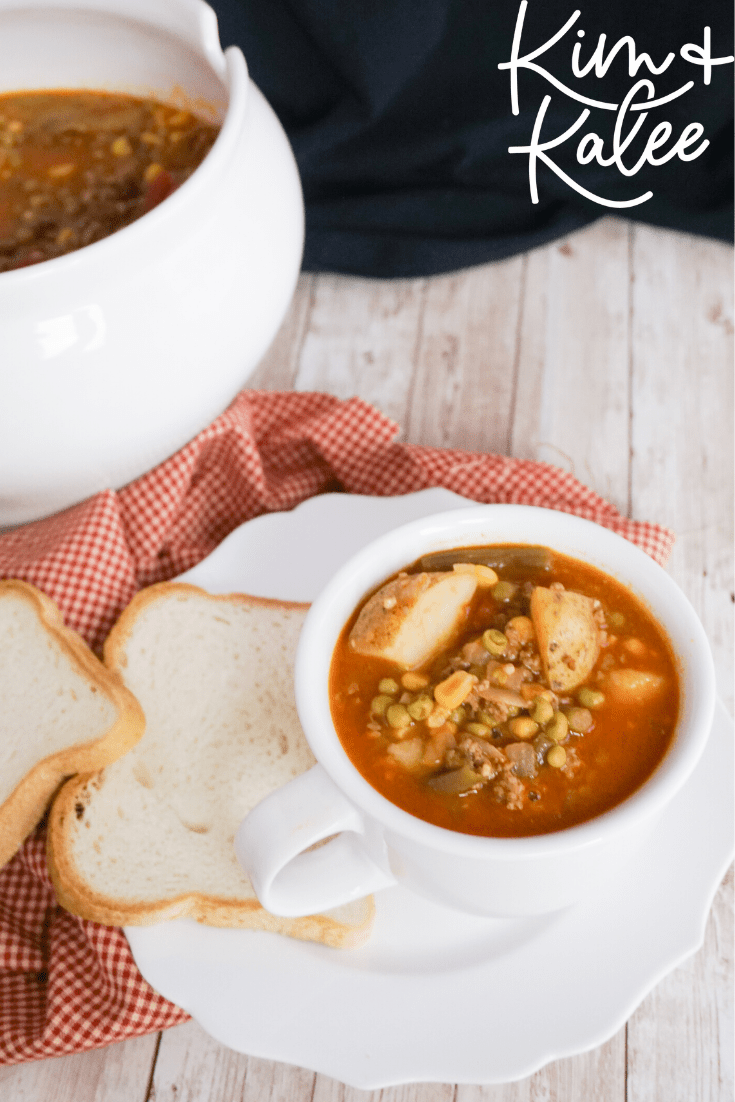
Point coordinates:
[(401, 120)]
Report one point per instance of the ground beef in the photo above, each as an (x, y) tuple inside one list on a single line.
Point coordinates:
[(484, 758), (509, 790)]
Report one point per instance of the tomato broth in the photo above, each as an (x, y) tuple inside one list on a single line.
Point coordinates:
[(527, 749)]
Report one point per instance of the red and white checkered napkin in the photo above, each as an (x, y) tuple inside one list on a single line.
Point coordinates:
[(66, 984)]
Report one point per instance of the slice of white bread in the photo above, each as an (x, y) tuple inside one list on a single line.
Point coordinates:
[(61, 710), (151, 837)]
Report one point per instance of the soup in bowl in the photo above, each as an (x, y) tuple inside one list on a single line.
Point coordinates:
[(501, 700), (116, 348), (77, 166), (504, 690)]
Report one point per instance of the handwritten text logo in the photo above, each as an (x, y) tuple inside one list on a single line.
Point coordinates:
[(632, 112)]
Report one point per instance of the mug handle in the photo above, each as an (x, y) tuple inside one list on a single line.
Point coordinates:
[(273, 844)]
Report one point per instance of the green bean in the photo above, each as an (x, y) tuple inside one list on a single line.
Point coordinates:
[(494, 641), (499, 557), (458, 780)]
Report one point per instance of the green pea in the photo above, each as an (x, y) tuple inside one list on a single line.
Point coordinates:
[(558, 729), (543, 710), (379, 704), (388, 685), (479, 729), (556, 756), (398, 716), (504, 591), (420, 708)]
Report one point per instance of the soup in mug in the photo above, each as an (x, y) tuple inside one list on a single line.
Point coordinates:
[(77, 166), (504, 691)]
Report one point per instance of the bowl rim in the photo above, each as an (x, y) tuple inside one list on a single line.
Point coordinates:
[(592, 543)]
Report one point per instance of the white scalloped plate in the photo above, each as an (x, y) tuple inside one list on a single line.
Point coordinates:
[(436, 995)]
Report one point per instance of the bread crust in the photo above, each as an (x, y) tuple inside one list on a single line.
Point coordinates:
[(76, 897), (114, 647), (26, 805), (346, 928)]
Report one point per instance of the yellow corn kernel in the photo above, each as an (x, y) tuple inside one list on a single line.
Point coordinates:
[(590, 698), (152, 171), (484, 575), (523, 628), (522, 727), (414, 681), (438, 717), (59, 171), (121, 147), (455, 689)]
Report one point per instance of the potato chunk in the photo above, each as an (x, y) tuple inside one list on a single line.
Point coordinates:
[(634, 686), (568, 638), (412, 617)]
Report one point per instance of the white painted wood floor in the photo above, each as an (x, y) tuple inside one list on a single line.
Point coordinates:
[(610, 355)]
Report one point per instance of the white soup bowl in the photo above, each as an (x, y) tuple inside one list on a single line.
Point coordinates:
[(377, 843)]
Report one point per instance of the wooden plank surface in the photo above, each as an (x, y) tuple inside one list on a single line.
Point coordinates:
[(610, 355)]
